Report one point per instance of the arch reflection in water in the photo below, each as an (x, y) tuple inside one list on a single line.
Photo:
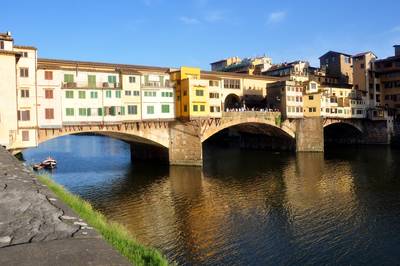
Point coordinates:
[(246, 207)]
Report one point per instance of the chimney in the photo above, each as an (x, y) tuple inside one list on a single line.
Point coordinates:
[(396, 50)]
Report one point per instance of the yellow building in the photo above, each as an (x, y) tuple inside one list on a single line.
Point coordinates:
[(312, 99), (192, 95)]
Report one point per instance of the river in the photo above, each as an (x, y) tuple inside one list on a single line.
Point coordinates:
[(243, 207)]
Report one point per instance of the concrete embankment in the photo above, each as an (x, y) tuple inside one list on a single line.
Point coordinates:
[(36, 228)]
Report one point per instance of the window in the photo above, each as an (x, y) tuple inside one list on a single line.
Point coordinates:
[(313, 86), (202, 108), (347, 60), (362, 66), (112, 79), (132, 109), (184, 93), (108, 94), (185, 108), (199, 92), (165, 108), (1, 45), (214, 95), (82, 94), (69, 111), (93, 94), (195, 108), (99, 111), (150, 93), (24, 93), (128, 93), (122, 110), (213, 83), (136, 93), (132, 79), (231, 83), (25, 135), (117, 94), (68, 78), (92, 81), (24, 72), (49, 113), (24, 115), (311, 97), (24, 54), (69, 94), (48, 93), (378, 87), (166, 94), (82, 112), (150, 109), (48, 75)]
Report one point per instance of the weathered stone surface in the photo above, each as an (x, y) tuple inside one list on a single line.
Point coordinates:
[(35, 230), (309, 135), (185, 144)]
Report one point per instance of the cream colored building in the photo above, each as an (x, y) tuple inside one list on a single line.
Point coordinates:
[(18, 110)]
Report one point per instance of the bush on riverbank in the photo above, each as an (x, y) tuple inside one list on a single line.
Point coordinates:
[(113, 233)]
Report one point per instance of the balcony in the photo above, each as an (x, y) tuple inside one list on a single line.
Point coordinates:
[(91, 85)]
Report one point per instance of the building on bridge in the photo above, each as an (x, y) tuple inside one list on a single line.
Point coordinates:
[(387, 71)]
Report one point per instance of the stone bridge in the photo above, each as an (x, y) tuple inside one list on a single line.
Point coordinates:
[(180, 142)]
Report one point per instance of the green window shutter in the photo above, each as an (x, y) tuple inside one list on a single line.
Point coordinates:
[(100, 111), (112, 79), (69, 111), (92, 81), (122, 110), (108, 94), (112, 110), (69, 94), (165, 108), (82, 111), (82, 94), (118, 94), (89, 112), (150, 109), (162, 81), (68, 78), (146, 79)]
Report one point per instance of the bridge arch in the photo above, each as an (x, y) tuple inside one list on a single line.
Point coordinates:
[(344, 122), (232, 101), (152, 134), (342, 132), (243, 119)]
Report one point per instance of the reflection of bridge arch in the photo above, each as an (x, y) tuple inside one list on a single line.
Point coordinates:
[(254, 118)]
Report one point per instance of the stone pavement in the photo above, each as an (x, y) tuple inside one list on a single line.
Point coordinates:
[(36, 228)]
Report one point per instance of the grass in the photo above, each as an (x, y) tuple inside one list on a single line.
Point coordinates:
[(114, 233)]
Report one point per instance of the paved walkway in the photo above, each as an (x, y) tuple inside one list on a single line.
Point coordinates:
[(38, 229)]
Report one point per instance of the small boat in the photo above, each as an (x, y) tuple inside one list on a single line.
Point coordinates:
[(49, 163)]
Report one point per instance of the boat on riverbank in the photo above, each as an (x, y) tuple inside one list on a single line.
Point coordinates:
[(49, 163)]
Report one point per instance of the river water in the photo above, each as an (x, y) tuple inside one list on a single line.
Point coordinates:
[(243, 207)]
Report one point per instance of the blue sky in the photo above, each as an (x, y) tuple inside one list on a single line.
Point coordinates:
[(197, 32)]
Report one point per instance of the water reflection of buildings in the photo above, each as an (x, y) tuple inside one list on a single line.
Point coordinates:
[(202, 215)]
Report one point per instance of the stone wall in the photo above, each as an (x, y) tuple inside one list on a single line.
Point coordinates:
[(375, 132), (309, 135), (185, 144)]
